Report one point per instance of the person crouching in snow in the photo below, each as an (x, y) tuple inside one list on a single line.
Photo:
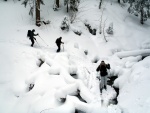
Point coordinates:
[(103, 73), (58, 43)]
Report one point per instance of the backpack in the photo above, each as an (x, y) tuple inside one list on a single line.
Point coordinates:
[(57, 41), (103, 70), (29, 33)]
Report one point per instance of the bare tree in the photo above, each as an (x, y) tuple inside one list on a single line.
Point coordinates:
[(73, 15), (66, 2), (67, 8), (102, 28), (100, 3), (102, 24), (34, 4), (38, 13), (74, 5), (104, 31), (101, 20)]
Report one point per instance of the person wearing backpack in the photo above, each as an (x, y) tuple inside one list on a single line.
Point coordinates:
[(58, 43), (31, 36), (103, 73)]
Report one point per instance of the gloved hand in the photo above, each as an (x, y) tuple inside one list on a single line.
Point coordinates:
[(98, 77)]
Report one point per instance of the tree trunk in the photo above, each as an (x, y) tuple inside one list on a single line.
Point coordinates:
[(67, 8), (38, 13), (57, 3), (142, 20), (119, 1), (100, 3)]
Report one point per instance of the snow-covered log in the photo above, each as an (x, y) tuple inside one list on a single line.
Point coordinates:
[(71, 89), (143, 53), (73, 103)]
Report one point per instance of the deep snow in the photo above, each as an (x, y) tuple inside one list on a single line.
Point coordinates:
[(53, 81)]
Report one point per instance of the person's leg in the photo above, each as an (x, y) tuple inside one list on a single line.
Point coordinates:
[(32, 43), (105, 82), (102, 84), (58, 47), (58, 50)]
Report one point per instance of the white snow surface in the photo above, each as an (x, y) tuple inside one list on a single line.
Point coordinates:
[(66, 74)]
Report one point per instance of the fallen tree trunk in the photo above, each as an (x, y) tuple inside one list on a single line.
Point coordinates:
[(142, 52)]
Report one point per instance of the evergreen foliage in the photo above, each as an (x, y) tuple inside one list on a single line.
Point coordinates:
[(65, 24), (66, 2), (140, 7), (110, 29), (73, 4)]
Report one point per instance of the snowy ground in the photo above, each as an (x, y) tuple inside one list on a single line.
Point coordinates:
[(53, 81)]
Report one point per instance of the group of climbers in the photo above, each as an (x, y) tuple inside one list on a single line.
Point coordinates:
[(102, 67), (31, 35)]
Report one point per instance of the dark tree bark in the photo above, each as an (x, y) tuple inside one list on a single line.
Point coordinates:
[(38, 13), (142, 16), (100, 3), (57, 3), (119, 1), (67, 7)]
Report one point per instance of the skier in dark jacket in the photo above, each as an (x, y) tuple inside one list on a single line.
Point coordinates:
[(103, 73), (32, 38), (58, 43)]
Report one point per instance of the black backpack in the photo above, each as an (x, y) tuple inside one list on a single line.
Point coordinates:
[(29, 33), (57, 41)]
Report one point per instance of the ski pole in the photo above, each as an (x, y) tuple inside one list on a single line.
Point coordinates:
[(63, 47), (43, 40), (38, 43)]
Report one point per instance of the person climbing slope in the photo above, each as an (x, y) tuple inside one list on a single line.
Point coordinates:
[(103, 73), (58, 43), (31, 36)]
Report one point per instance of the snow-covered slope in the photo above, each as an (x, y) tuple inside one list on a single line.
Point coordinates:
[(52, 80)]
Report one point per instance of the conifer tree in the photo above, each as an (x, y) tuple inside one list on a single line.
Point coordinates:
[(140, 8), (110, 29), (73, 5), (65, 24)]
